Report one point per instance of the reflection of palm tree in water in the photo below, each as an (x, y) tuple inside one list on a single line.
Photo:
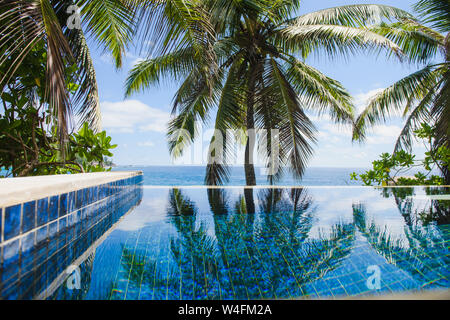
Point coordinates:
[(424, 254), (252, 255), (437, 211)]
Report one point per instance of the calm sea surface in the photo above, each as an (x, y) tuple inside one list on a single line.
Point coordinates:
[(194, 175)]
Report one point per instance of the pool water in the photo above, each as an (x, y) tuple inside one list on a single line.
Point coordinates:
[(199, 243)]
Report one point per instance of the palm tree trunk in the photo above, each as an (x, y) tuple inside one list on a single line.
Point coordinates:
[(249, 167), (249, 201)]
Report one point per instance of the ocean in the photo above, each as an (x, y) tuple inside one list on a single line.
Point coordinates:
[(194, 175)]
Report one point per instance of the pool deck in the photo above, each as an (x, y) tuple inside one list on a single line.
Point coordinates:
[(20, 190), (429, 295)]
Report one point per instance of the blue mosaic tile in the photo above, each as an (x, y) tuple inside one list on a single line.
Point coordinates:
[(72, 196), (41, 277), (42, 212), (60, 263), (80, 198), (95, 194), (52, 247), (62, 224), (10, 293), (10, 260), (29, 216), (40, 254), (63, 204), (27, 242), (62, 239), (26, 287), (12, 222), (53, 229), (53, 207), (102, 191), (26, 261), (42, 234), (339, 292)]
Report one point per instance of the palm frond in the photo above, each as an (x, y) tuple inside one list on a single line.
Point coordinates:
[(418, 42), (110, 23), (192, 102), (441, 113), (320, 92), (86, 101), (229, 116), (436, 13), (297, 133), (352, 15), (22, 29), (174, 24), (396, 97), (57, 51), (175, 66), (334, 40), (419, 115)]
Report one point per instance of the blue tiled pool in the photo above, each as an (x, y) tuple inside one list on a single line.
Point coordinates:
[(199, 243)]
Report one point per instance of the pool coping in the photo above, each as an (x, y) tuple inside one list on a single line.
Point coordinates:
[(20, 190)]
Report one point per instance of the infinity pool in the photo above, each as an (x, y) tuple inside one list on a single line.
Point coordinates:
[(199, 243)]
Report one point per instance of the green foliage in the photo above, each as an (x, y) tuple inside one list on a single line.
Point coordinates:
[(389, 166), (440, 155), (27, 25), (29, 141), (27, 150)]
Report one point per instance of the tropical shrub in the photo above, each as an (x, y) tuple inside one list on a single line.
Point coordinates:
[(29, 140), (27, 149), (387, 169)]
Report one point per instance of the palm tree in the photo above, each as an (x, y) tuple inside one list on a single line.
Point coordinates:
[(246, 59), (424, 95), (27, 23)]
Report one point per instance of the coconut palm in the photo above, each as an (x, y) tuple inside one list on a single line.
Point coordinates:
[(424, 95), (250, 68), (24, 24)]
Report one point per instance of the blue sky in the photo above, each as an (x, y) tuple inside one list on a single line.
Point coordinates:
[(138, 124)]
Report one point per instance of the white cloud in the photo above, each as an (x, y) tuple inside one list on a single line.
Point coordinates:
[(129, 115), (336, 130), (384, 134), (107, 58), (136, 61), (324, 117), (133, 58), (146, 144), (361, 100)]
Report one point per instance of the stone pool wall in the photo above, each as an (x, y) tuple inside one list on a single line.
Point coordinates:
[(48, 222)]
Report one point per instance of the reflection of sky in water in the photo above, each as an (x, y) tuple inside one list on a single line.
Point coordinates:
[(242, 255)]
